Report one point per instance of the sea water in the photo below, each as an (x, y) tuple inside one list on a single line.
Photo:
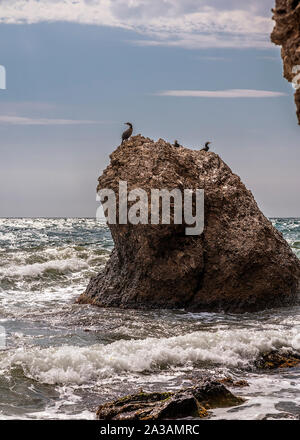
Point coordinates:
[(60, 360)]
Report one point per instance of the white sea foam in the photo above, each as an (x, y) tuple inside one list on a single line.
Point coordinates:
[(78, 365)]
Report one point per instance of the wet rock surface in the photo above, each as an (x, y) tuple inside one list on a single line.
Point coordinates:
[(190, 402), (239, 263), (230, 382), (275, 359), (286, 34)]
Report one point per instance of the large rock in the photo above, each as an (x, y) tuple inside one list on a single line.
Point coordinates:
[(239, 263), (286, 33), (188, 402)]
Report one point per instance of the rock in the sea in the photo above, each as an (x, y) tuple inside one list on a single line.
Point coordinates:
[(274, 359), (239, 263), (189, 402), (230, 382), (286, 33)]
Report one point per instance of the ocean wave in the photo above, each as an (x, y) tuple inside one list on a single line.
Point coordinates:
[(50, 267), (78, 365)]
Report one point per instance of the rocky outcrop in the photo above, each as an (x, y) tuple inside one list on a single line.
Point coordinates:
[(286, 33), (190, 402), (275, 359), (239, 263)]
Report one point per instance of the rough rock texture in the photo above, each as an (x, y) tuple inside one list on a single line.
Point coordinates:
[(275, 359), (230, 382), (286, 33), (189, 402), (239, 263)]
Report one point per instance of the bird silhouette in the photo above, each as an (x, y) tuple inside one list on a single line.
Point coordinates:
[(127, 133), (206, 148)]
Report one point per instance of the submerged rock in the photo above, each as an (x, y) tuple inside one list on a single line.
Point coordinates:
[(189, 402), (274, 359), (230, 382), (286, 33), (239, 263)]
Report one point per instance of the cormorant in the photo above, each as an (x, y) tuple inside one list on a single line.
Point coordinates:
[(206, 148), (127, 133), (176, 144)]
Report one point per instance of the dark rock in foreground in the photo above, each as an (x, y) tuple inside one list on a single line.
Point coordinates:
[(239, 263), (189, 402), (286, 33)]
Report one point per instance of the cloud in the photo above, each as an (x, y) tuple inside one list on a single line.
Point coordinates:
[(208, 41), (14, 107), (190, 23), (232, 93), (207, 58), (22, 120), (270, 58)]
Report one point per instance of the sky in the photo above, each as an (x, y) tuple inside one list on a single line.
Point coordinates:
[(192, 70)]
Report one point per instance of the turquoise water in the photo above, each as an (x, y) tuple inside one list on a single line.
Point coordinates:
[(290, 228), (61, 360)]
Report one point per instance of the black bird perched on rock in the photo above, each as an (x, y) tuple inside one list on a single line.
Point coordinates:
[(206, 148), (176, 144), (127, 133)]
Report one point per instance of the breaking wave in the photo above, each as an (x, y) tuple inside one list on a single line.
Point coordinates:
[(36, 269), (79, 365)]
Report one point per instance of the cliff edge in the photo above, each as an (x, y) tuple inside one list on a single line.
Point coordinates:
[(286, 33), (239, 263)]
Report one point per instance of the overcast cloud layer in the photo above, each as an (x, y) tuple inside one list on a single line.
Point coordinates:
[(184, 23)]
